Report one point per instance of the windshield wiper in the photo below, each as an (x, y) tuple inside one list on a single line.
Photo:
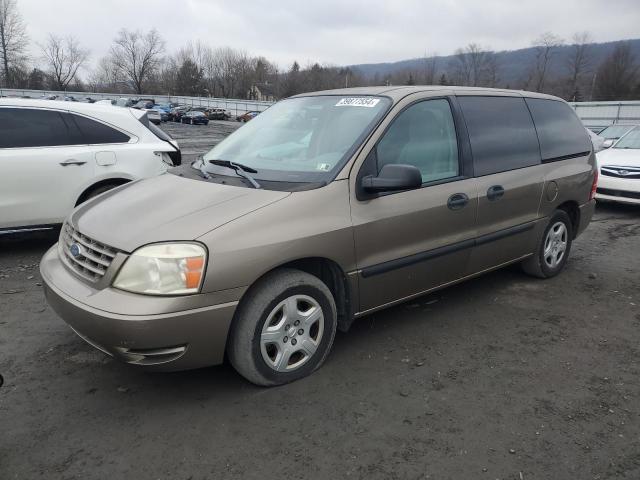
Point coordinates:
[(241, 170), (203, 172)]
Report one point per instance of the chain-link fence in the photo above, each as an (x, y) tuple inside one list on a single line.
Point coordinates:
[(235, 106)]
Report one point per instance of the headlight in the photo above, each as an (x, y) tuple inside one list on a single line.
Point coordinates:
[(164, 269)]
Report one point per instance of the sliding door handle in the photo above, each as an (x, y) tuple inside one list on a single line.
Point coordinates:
[(495, 192), (457, 201)]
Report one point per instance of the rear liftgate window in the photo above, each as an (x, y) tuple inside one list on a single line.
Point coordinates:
[(501, 132)]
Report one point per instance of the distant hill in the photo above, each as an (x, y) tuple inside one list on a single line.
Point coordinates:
[(513, 64)]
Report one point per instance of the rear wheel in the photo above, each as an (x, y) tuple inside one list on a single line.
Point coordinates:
[(283, 329), (553, 249)]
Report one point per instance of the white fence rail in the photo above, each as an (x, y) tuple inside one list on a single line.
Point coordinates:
[(602, 114), (593, 114), (235, 106)]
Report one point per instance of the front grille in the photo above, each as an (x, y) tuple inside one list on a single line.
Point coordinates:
[(618, 193), (621, 172), (91, 259)]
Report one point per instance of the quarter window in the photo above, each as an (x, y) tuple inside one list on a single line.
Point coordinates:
[(24, 127), (423, 135), (501, 133), (560, 131), (95, 132)]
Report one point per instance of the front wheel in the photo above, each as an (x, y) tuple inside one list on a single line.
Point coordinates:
[(283, 329), (553, 249)]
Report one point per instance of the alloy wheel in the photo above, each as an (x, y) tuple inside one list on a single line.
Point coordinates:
[(555, 245), (292, 333)]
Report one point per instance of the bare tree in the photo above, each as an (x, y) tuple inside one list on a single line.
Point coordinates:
[(546, 46), (474, 66), (106, 77), (430, 68), (137, 56), (579, 62), (13, 39), (63, 57), (617, 74)]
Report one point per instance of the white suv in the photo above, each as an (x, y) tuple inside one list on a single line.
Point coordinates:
[(55, 155)]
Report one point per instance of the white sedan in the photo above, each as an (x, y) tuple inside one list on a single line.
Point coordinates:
[(619, 168), (56, 155)]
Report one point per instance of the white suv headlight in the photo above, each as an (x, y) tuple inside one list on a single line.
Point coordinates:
[(164, 269)]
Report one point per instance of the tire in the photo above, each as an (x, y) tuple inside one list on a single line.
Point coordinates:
[(550, 258), (260, 347)]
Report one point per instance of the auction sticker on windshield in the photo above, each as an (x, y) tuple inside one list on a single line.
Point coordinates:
[(358, 102)]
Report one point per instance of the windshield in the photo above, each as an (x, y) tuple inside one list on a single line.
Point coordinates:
[(630, 140), (615, 131), (304, 139)]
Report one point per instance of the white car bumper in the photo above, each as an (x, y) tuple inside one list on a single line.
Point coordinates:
[(617, 189)]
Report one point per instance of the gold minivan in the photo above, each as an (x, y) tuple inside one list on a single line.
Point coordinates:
[(326, 207)]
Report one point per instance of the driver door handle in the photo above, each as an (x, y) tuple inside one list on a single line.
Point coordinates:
[(457, 201), (72, 161)]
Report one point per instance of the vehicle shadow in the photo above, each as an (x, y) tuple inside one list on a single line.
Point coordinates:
[(36, 243)]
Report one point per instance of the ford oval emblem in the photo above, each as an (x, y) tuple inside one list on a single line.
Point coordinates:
[(624, 173), (75, 250)]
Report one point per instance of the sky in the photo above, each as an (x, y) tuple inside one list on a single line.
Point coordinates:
[(336, 32)]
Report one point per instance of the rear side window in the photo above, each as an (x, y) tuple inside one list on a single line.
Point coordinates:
[(424, 135), (561, 133), (23, 127), (95, 132), (501, 133)]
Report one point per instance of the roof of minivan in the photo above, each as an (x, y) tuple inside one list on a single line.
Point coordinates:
[(401, 91), (79, 107)]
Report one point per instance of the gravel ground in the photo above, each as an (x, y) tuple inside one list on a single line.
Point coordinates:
[(501, 377)]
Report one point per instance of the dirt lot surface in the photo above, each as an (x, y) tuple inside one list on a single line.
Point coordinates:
[(503, 376)]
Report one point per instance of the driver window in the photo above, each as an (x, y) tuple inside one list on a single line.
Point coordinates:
[(423, 135)]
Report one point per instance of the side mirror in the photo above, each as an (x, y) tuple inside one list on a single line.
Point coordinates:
[(393, 177), (608, 142)]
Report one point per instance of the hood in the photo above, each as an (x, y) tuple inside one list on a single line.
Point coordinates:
[(165, 208), (621, 157)]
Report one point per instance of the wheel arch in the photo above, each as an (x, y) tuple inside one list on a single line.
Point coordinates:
[(332, 275), (107, 181), (572, 209)]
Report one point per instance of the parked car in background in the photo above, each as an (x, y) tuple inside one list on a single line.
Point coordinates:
[(620, 170), (143, 105), (218, 114), (272, 241), (56, 155), (596, 140), (164, 115), (245, 117), (153, 115), (125, 102), (177, 113), (194, 117), (613, 132)]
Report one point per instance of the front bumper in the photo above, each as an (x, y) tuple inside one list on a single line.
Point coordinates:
[(177, 338), (616, 189)]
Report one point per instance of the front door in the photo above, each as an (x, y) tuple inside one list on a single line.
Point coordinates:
[(411, 241), (42, 172)]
